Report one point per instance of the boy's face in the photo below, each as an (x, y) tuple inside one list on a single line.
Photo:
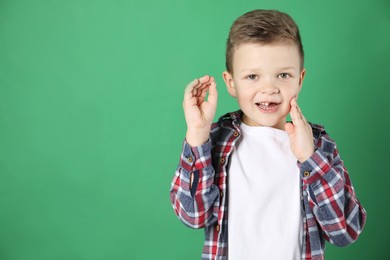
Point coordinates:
[(264, 80)]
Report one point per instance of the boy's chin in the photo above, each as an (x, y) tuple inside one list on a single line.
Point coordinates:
[(279, 124)]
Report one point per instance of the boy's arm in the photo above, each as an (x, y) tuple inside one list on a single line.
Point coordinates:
[(194, 196), (327, 185), (331, 195)]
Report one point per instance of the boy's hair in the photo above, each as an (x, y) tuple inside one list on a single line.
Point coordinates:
[(262, 27)]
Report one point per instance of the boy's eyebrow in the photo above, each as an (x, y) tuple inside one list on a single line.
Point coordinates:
[(288, 68), (281, 68)]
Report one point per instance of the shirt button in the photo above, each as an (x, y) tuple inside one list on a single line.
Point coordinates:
[(222, 160), (189, 159), (306, 174), (217, 228), (235, 134)]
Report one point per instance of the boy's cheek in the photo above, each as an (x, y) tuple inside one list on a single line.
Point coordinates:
[(293, 93), (289, 97)]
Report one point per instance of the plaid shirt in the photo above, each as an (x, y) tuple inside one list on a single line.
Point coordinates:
[(330, 208)]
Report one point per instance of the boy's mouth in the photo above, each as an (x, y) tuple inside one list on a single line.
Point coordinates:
[(268, 106)]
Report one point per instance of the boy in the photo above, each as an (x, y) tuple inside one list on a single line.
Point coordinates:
[(262, 188)]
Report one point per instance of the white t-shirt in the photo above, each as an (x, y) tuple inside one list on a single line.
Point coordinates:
[(265, 220)]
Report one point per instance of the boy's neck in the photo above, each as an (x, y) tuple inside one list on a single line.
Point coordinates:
[(280, 125)]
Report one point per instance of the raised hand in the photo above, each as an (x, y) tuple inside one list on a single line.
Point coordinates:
[(198, 111), (300, 133)]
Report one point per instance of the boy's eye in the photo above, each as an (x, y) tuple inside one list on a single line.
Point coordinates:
[(252, 76), (284, 75)]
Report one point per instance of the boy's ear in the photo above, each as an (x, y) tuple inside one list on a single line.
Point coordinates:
[(227, 77), (301, 77)]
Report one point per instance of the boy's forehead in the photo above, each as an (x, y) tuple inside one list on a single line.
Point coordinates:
[(288, 47), (275, 54)]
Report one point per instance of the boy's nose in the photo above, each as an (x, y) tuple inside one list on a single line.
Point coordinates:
[(269, 89)]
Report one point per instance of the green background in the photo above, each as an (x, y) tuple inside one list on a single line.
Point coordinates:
[(91, 121)]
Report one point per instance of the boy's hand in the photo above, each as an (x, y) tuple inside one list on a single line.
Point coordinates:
[(300, 133), (198, 111)]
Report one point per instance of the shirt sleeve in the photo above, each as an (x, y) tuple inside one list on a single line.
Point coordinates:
[(193, 194), (331, 195)]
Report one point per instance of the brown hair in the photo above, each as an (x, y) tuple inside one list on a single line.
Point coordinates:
[(263, 27)]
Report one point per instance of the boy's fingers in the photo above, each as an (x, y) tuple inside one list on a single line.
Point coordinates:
[(301, 114), (188, 92), (201, 95), (289, 127), (196, 82), (209, 87), (203, 84), (189, 97), (191, 88), (293, 101), (298, 111), (304, 119), (296, 116), (204, 79), (198, 89), (213, 93), (201, 90)]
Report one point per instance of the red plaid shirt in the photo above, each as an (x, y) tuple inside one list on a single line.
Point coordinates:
[(330, 208)]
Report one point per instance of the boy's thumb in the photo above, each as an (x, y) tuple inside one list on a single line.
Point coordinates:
[(289, 128)]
